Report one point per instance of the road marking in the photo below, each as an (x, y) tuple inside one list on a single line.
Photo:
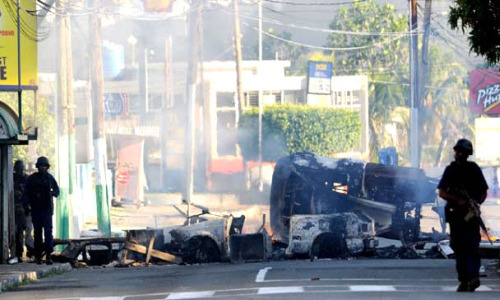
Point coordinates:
[(372, 288), (280, 290), (103, 298), (191, 295), (482, 288), (261, 276), (434, 280)]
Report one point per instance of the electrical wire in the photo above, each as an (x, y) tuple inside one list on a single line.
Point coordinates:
[(315, 29), (25, 27), (321, 47), (314, 3), (407, 84)]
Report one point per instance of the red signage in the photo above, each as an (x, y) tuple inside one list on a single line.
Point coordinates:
[(484, 92), (122, 177)]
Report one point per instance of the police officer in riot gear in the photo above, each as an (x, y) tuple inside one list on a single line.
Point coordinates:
[(462, 182), (40, 189), (19, 210)]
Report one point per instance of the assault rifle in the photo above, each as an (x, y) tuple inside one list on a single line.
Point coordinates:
[(474, 211)]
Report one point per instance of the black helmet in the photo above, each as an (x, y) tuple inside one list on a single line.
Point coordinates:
[(19, 166), (42, 160), (464, 144)]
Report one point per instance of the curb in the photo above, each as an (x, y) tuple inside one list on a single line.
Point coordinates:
[(22, 276)]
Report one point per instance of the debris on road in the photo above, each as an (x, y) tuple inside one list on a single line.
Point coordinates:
[(93, 250), (203, 242), (145, 245)]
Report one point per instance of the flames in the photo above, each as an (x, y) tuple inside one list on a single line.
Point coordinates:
[(268, 229), (339, 188), (484, 237)]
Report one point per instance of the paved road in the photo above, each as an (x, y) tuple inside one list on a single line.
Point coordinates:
[(297, 279)]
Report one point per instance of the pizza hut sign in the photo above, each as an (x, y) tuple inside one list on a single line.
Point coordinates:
[(485, 92)]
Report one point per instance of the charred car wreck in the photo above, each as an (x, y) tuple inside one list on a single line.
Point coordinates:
[(307, 184), (203, 242)]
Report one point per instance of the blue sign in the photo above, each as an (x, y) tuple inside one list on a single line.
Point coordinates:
[(113, 104), (319, 77)]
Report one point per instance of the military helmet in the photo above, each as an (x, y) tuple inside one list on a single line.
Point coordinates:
[(19, 166), (464, 144), (42, 160)]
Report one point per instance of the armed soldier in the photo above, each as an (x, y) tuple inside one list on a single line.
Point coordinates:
[(464, 188), (40, 189)]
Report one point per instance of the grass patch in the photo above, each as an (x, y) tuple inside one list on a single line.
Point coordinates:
[(27, 280), (16, 285)]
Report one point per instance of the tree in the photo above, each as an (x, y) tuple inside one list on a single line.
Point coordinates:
[(379, 45), (482, 17), (444, 114)]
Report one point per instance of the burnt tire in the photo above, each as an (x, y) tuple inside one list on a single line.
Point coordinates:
[(329, 245), (201, 250)]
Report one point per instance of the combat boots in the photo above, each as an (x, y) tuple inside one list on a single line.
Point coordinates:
[(48, 259)]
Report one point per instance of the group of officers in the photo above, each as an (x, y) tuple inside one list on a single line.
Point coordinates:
[(34, 207), (461, 183)]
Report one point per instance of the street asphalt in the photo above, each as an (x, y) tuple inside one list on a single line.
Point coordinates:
[(290, 279)]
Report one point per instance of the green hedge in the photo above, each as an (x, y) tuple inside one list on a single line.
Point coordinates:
[(289, 129)]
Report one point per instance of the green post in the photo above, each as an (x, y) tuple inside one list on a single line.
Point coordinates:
[(103, 221), (100, 158), (102, 203), (62, 214)]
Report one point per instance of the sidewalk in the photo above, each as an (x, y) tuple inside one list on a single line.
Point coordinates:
[(10, 275)]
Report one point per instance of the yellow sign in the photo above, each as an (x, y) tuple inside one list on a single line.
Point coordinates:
[(157, 5), (9, 45)]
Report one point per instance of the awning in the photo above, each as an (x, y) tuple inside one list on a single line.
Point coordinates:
[(9, 133)]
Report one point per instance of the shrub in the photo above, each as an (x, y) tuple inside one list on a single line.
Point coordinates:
[(288, 129)]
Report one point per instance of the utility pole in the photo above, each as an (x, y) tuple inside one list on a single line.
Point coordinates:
[(100, 157), (167, 104), (423, 69), (414, 105), (191, 92), (62, 211), (237, 43), (71, 121), (261, 105), (19, 75)]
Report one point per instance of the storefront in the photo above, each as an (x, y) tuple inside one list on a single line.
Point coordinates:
[(9, 136)]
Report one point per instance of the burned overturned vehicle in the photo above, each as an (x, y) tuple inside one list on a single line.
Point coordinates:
[(307, 184)]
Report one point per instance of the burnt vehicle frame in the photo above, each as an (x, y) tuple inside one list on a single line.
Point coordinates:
[(304, 183)]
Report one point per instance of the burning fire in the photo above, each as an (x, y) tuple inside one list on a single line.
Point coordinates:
[(484, 237), (339, 188), (268, 229)]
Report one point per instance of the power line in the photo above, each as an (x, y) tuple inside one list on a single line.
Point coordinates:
[(322, 47), (314, 3), (26, 29), (275, 22), (407, 84)]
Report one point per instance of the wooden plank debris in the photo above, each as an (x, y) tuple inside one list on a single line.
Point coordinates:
[(149, 251)]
